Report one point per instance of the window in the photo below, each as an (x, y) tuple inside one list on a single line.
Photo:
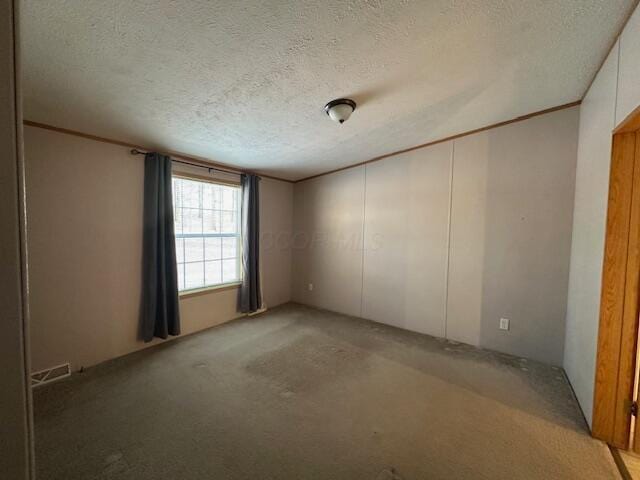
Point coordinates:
[(207, 229)]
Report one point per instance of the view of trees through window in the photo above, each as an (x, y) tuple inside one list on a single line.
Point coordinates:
[(207, 230)]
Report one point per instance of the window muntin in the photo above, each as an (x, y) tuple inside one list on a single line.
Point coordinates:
[(207, 230)]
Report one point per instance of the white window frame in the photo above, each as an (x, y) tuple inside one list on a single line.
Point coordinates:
[(238, 236)]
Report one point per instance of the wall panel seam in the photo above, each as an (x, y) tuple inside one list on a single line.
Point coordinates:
[(448, 260), (615, 103), (364, 219)]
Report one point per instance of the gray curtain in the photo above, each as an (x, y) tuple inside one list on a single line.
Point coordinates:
[(250, 298), (160, 315)]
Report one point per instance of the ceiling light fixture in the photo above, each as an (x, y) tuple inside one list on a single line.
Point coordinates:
[(340, 110)]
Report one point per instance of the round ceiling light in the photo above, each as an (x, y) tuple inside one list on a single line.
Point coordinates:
[(340, 110)]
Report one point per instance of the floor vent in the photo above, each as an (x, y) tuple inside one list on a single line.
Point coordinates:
[(50, 374)]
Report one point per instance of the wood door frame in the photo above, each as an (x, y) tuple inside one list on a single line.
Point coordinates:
[(619, 301)]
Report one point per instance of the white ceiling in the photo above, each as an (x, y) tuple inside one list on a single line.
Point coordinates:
[(244, 82)]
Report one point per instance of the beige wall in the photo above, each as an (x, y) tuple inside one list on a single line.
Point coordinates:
[(85, 236), (327, 241), (614, 94), (406, 229), (16, 458), (276, 224), (456, 236), (511, 217)]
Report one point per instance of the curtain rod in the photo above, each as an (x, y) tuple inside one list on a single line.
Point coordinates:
[(135, 151)]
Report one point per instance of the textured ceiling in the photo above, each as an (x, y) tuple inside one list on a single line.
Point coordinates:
[(244, 82)]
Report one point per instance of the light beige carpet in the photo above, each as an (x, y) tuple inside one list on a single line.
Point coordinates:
[(299, 393)]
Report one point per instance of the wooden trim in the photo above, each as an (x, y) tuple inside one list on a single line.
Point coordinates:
[(204, 178), (207, 290), (630, 345), (618, 304), (236, 170), (446, 139), (629, 329), (207, 163), (622, 468), (176, 155)]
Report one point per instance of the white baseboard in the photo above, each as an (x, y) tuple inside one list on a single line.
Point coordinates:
[(261, 310)]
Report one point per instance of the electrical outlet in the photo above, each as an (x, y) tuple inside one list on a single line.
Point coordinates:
[(311, 287), (504, 324)]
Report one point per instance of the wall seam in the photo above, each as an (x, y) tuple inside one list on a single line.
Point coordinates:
[(615, 105), (364, 217), (448, 261)]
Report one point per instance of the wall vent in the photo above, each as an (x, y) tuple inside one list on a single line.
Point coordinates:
[(50, 374)]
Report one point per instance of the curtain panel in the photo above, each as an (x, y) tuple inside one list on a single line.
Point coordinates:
[(160, 314), (250, 297)]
